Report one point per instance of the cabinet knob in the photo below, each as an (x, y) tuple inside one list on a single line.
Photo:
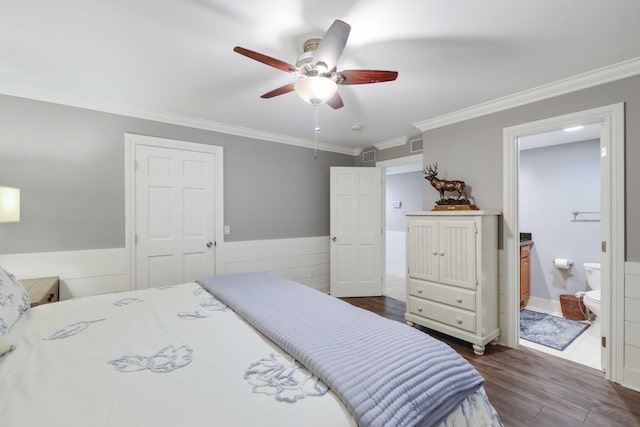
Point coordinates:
[(420, 290), (459, 299), (441, 253), (435, 252), (459, 321), (420, 309)]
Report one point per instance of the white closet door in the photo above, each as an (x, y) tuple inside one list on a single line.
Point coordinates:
[(174, 216), (356, 231)]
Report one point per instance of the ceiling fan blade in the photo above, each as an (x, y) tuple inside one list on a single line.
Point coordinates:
[(361, 77), (335, 101), (332, 44), (273, 62), (279, 91)]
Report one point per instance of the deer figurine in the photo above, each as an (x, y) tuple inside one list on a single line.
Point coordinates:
[(442, 185)]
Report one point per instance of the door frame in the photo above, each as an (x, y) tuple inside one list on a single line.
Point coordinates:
[(410, 160), (612, 216), (131, 141)]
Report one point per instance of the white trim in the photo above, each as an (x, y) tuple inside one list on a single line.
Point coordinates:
[(303, 259), (597, 77), (83, 272), (631, 372), (586, 80), (612, 226), (166, 117), (390, 143), (131, 141), (400, 161)]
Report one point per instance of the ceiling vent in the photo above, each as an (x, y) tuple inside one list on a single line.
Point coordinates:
[(369, 156), (415, 145)]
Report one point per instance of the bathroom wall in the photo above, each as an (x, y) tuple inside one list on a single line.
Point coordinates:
[(554, 181), (406, 188)]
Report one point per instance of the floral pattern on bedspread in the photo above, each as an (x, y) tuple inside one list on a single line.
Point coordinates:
[(71, 330), (191, 315), (284, 379), (214, 304), (166, 360), (127, 301)]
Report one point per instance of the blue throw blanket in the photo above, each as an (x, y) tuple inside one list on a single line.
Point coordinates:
[(386, 373)]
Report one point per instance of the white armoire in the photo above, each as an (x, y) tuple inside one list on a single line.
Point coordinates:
[(452, 274)]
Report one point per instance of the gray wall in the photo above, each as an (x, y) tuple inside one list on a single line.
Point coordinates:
[(406, 188), (472, 150), (69, 164), (553, 182)]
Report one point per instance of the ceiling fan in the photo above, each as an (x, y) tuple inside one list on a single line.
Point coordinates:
[(316, 68)]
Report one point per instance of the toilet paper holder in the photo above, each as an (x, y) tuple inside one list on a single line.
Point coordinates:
[(562, 263)]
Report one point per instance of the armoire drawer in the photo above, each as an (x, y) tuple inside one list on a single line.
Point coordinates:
[(461, 319), (450, 295)]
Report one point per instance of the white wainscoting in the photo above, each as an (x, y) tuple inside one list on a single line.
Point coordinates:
[(305, 259), (91, 272), (631, 369), (396, 247), (81, 273)]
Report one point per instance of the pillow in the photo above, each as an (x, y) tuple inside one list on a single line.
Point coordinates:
[(14, 300)]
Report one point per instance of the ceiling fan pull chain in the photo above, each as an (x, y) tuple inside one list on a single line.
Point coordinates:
[(316, 131)]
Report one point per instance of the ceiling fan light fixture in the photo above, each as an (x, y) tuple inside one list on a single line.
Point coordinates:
[(315, 89)]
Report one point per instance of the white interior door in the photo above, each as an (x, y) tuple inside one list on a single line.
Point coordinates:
[(174, 215), (356, 231)]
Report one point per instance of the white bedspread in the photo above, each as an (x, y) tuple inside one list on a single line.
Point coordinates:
[(49, 381), (171, 356)]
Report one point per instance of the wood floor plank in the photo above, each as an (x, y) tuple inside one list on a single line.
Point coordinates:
[(531, 388)]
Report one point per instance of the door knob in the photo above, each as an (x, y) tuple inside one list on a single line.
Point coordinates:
[(209, 244), (335, 239)]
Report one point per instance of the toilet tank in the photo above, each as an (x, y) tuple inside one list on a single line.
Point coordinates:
[(592, 271)]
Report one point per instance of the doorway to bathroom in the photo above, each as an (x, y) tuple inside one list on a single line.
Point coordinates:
[(612, 228), (559, 226), (403, 193)]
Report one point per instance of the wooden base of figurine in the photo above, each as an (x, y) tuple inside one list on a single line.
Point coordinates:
[(455, 208)]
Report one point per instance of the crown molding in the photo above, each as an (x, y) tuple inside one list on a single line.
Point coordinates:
[(389, 143), (165, 117), (586, 80)]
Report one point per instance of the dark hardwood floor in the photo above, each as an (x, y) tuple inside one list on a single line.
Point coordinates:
[(530, 388)]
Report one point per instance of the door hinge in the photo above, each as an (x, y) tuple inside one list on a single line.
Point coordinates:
[(603, 246), (135, 239), (604, 342), (135, 165)]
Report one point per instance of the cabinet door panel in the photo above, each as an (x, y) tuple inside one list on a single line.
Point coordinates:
[(457, 251), (422, 250)]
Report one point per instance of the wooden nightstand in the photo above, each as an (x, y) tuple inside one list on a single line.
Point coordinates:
[(42, 290)]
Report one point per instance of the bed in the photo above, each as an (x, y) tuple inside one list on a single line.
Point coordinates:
[(237, 350)]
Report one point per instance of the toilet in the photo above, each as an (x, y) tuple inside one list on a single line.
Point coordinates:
[(592, 297)]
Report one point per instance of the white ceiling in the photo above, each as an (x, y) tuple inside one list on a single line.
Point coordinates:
[(175, 59)]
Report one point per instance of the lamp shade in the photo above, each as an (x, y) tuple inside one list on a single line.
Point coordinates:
[(316, 90), (9, 204)]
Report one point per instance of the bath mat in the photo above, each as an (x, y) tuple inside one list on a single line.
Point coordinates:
[(550, 331)]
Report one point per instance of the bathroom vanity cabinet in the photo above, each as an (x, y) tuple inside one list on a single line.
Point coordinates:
[(525, 272), (452, 274)]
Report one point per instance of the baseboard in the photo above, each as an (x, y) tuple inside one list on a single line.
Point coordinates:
[(550, 306)]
